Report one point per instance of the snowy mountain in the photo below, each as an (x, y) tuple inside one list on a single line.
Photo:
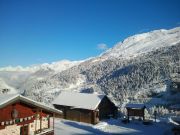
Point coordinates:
[(139, 68), (4, 88), (56, 66), (143, 43), (17, 76)]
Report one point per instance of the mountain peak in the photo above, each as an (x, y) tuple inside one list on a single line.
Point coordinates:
[(143, 43), (156, 52)]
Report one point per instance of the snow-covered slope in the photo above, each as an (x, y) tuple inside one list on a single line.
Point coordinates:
[(134, 68), (143, 43), (4, 88), (17, 76)]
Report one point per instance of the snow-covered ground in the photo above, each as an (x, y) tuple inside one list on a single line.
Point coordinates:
[(110, 127)]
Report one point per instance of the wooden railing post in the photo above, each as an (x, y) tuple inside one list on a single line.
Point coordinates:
[(36, 120), (53, 120), (41, 120), (49, 121), (36, 117), (128, 114)]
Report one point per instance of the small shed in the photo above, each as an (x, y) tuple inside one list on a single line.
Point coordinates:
[(135, 110), (20, 115), (84, 107)]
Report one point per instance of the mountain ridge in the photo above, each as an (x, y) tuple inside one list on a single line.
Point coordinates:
[(137, 37), (121, 72)]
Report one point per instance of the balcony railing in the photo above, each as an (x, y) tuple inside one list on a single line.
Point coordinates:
[(49, 131)]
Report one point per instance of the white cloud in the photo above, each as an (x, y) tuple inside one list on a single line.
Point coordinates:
[(102, 46), (143, 30)]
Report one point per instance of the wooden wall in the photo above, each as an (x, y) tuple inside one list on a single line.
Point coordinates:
[(107, 109), (136, 112), (23, 111), (26, 114), (80, 115)]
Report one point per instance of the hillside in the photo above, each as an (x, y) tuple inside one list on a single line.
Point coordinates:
[(139, 68)]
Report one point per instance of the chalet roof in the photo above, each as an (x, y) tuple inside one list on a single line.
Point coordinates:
[(79, 100), (6, 99), (135, 106)]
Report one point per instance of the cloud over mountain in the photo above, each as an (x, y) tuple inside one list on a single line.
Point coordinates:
[(137, 67), (102, 46)]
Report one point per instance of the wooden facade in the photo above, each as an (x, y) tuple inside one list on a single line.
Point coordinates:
[(105, 109), (25, 118), (135, 110)]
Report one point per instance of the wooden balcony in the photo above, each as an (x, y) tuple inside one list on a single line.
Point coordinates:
[(49, 131)]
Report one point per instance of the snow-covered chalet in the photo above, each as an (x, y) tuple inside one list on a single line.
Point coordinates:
[(85, 107), (20, 115)]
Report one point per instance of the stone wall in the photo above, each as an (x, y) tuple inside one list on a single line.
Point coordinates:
[(11, 130)]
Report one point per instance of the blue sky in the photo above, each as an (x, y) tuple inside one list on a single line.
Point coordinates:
[(38, 31)]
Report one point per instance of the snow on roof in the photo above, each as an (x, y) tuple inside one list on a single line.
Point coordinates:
[(78, 100), (135, 106), (6, 99)]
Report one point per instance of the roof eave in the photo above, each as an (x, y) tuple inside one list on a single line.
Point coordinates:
[(11, 100), (47, 108), (32, 102)]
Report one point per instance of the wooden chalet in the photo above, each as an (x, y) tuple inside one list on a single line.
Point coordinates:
[(84, 107), (135, 110), (22, 116)]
